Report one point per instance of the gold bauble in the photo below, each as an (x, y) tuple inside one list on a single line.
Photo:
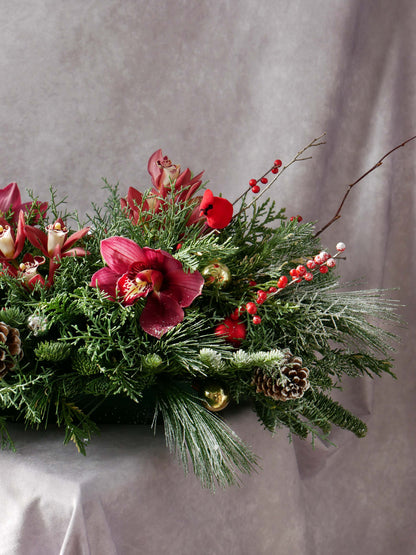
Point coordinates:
[(216, 397), (216, 273)]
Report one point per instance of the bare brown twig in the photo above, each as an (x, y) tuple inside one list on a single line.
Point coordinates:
[(376, 165)]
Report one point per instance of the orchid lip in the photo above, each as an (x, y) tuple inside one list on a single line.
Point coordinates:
[(6, 242)]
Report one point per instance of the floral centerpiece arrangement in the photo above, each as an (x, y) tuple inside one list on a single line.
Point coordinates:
[(172, 304)]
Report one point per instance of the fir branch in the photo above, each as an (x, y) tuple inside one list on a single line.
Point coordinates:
[(320, 408), (6, 441), (200, 438)]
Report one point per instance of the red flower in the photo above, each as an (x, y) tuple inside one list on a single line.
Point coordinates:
[(10, 245), (27, 271), (166, 178), (10, 199), (133, 272), (55, 244), (232, 330), (217, 210)]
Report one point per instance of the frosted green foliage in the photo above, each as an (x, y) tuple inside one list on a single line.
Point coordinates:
[(263, 359), (200, 439), (212, 359)]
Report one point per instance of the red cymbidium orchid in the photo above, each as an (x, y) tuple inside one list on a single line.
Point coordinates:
[(10, 199), (218, 210), (55, 243), (134, 272), (10, 245), (27, 271), (166, 179)]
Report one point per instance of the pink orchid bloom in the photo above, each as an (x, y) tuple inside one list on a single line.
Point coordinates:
[(10, 245), (218, 210), (10, 199), (28, 270), (55, 243), (165, 176), (134, 272)]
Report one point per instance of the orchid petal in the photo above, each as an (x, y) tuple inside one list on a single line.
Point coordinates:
[(21, 236), (37, 238), (75, 237), (153, 167), (10, 198), (120, 252), (106, 280), (76, 251), (184, 287), (160, 314)]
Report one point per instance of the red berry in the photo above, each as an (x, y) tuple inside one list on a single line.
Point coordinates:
[(299, 218), (235, 314), (261, 296), (178, 246), (278, 163), (323, 269), (272, 289), (324, 256), (282, 282), (275, 170), (252, 283), (292, 218), (311, 264), (318, 260), (255, 189), (256, 320), (308, 276), (264, 180), (294, 273), (251, 308), (301, 270), (252, 182)]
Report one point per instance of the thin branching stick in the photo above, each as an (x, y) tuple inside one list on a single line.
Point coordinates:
[(297, 158), (379, 163)]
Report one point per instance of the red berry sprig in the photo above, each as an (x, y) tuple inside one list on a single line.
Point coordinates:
[(255, 188), (321, 263)]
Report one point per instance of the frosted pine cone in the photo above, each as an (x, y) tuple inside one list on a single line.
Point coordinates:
[(292, 384), (10, 348)]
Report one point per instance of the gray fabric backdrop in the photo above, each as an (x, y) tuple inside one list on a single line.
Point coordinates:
[(90, 89)]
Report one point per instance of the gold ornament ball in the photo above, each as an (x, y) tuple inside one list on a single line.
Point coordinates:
[(216, 273), (216, 397)]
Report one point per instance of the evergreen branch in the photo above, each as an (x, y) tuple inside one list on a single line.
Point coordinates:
[(321, 408), (6, 441), (201, 438)]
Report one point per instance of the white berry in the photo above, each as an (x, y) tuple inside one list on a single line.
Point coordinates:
[(341, 247), (331, 263)]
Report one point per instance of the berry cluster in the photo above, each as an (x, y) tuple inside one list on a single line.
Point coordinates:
[(254, 183), (321, 263)]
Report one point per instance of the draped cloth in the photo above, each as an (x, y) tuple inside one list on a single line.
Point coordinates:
[(91, 89)]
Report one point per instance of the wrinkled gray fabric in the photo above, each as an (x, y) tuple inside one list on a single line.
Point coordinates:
[(90, 89)]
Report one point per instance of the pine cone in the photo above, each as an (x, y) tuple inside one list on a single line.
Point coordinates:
[(292, 385), (10, 347)]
